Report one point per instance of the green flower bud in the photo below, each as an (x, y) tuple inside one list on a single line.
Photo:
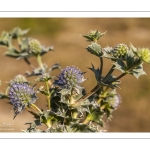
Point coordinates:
[(18, 79), (44, 77), (94, 35), (144, 54), (35, 46), (120, 51)]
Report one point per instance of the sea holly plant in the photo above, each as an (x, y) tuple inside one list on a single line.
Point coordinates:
[(70, 108)]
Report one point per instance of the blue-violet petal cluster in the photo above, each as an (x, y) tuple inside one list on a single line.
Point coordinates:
[(70, 77), (21, 95)]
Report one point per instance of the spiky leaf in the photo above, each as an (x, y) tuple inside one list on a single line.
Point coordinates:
[(94, 35), (130, 59), (120, 65), (5, 39), (18, 32), (138, 71), (95, 49), (96, 72)]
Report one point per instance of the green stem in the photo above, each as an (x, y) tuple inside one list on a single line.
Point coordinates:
[(32, 112), (106, 89), (129, 69), (48, 123), (101, 67), (103, 95), (39, 60), (48, 96), (120, 76), (71, 100), (36, 108), (86, 121), (108, 74), (19, 42), (74, 114), (71, 97)]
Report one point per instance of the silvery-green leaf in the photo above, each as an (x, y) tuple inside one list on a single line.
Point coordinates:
[(18, 32), (55, 66), (95, 49), (134, 49), (138, 71), (24, 44), (107, 52), (5, 39), (120, 65), (130, 59), (45, 92), (36, 72), (3, 96), (65, 91), (113, 85), (12, 52), (45, 50)]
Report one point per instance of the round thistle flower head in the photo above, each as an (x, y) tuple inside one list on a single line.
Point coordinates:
[(70, 77), (18, 79), (120, 51), (144, 54), (21, 95), (35, 46)]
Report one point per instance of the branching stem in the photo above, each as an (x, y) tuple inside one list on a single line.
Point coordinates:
[(129, 69), (36, 108), (101, 68), (39, 60), (108, 74)]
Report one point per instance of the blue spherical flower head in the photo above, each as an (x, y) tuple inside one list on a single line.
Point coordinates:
[(21, 95), (70, 77)]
